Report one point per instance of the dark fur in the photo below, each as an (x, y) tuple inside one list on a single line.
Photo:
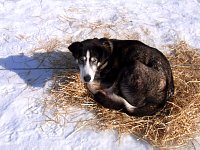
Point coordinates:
[(138, 73)]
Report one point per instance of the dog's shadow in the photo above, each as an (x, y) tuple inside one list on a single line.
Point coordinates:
[(37, 68)]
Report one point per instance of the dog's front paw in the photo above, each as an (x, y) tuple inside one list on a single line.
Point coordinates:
[(93, 87)]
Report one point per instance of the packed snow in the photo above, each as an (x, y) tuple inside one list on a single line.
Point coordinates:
[(27, 24)]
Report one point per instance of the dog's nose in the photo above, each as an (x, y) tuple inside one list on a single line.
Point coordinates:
[(87, 78)]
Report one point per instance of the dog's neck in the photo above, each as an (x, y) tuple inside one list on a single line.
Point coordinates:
[(103, 65)]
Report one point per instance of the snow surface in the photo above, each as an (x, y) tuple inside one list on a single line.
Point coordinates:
[(25, 24)]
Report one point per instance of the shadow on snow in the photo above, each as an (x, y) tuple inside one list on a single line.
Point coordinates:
[(36, 69)]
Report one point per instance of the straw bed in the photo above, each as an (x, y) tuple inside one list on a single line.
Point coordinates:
[(173, 127)]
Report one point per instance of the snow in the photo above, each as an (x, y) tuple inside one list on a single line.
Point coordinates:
[(25, 24)]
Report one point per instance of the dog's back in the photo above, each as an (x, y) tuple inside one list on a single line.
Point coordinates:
[(127, 51)]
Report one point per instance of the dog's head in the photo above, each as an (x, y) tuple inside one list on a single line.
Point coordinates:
[(91, 55)]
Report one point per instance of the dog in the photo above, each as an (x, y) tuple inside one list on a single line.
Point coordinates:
[(125, 75)]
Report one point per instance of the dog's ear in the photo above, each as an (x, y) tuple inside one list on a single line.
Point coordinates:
[(108, 47), (105, 42), (75, 47)]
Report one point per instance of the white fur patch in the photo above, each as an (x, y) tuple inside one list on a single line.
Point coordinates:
[(87, 69)]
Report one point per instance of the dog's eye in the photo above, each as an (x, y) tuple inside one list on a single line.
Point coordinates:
[(93, 60), (81, 59)]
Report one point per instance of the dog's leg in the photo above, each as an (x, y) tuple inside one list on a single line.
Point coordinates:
[(116, 102), (112, 101), (148, 109), (168, 74), (105, 101)]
